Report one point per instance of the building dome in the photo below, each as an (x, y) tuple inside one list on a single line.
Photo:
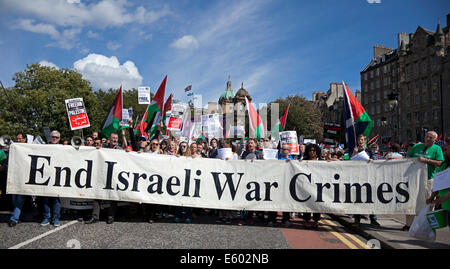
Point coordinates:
[(228, 95), (241, 94)]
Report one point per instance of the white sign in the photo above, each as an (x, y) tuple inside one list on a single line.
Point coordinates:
[(350, 187), (362, 156), (270, 154), (441, 180), (211, 125), (290, 138), (144, 95), (224, 153)]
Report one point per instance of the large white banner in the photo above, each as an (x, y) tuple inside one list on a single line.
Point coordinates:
[(348, 187)]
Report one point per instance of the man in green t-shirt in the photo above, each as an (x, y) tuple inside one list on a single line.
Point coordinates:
[(432, 155)]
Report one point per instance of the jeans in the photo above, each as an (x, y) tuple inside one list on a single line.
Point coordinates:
[(17, 201), (51, 201)]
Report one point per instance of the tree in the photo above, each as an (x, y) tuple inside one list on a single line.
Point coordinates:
[(302, 117), (38, 97)]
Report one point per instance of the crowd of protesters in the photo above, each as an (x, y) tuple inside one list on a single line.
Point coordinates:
[(251, 149)]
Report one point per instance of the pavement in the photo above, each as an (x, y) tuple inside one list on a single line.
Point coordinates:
[(389, 234)]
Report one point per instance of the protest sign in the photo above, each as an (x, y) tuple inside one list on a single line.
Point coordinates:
[(290, 138), (351, 187), (76, 112), (224, 153), (361, 156), (144, 95), (176, 117), (270, 154), (211, 125), (441, 180)]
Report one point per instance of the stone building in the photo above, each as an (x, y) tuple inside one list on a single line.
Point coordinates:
[(233, 106), (406, 90), (331, 106)]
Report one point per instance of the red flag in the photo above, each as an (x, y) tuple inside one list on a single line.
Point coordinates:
[(439, 137), (167, 105)]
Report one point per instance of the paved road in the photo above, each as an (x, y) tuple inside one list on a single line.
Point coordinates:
[(202, 233)]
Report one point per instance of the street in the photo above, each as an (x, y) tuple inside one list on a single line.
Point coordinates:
[(202, 233)]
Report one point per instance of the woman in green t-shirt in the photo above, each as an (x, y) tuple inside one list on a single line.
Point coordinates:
[(442, 197)]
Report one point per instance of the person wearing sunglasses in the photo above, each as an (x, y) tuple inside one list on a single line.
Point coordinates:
[(52, 202)]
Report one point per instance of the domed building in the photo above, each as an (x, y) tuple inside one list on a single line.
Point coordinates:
[(233, 105)]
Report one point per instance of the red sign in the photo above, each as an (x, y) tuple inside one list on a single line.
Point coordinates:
[(78, 118)]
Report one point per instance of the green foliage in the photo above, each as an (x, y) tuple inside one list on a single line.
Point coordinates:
[(39, 95), (301, 117)]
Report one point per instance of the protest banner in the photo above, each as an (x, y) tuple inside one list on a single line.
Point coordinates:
[(176, 117), (350, 187), (143, 95), (76, 112), (290, 138)]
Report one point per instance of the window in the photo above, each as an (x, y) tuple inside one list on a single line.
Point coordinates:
[(378, 96), (425, 115), (371, 73), (365, 76), (435, 114), (378, 71), (371, 85), (377, 82), (417, 117), (378, 108), (408, 118)]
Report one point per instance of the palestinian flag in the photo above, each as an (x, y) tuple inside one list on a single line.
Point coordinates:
[(167, 107), (112, 120), (256, 123), (142, 126), (357, 121), (155, 109), (280, 125)]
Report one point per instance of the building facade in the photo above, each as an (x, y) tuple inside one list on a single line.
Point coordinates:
[(406, 90)]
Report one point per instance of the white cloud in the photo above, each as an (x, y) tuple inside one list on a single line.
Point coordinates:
[(93, 35), (104, 13), (111, 45), (39, 28), (49, 64), (186, 42), (105, 73)]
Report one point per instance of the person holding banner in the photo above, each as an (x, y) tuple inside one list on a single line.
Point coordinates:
[(431, 154), (213, 150), (250, 154), (312, 153), (53, 202), (183, 151), (441, 198), (193, 149), (361, 148), (89, 141), (17, 199), (272, 216)]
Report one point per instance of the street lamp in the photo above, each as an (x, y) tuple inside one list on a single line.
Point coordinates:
[(393, 104)]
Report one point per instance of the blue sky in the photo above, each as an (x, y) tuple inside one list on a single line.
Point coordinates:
[(276, 48)]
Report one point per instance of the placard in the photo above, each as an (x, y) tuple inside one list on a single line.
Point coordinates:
[(144, 95), (224, 153), (270, 154), (176, 117), (76, 112), (441, 180), (290, 138)]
